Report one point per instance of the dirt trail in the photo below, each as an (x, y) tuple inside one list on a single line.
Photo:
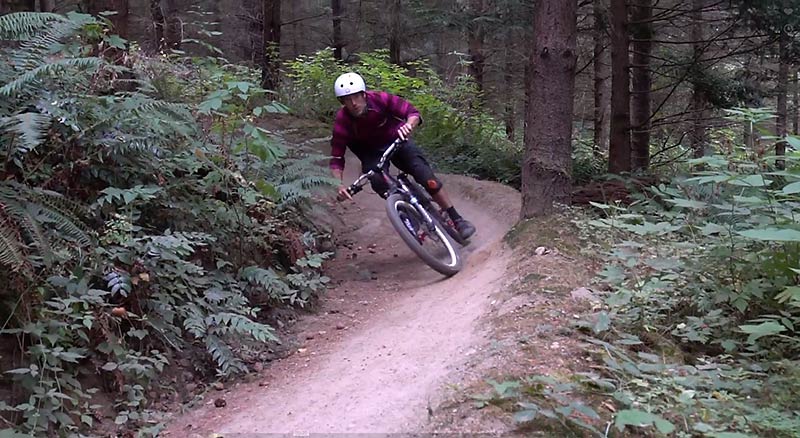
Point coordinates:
[(402, 329)]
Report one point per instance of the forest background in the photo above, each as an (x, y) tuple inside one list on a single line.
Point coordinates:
[(151, 216)]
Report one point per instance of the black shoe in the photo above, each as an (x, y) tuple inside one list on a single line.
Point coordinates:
[(464, 228)]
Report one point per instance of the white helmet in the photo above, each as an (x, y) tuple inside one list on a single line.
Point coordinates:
[(349, 83)]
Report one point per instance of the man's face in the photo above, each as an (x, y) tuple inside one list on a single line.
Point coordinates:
[(356, 104)]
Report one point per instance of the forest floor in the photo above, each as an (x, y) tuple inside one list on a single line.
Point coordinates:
[(394, 347)]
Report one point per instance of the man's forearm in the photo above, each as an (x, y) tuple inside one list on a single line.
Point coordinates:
[(338, 173), (413, 120)]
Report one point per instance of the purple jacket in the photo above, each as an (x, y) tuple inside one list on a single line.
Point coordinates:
[(385, 114)]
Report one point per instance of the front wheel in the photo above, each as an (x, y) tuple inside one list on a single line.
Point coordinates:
[(431, 243), (441, 216)]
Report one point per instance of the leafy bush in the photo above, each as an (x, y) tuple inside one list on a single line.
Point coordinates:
[(700, 327), (133, 230)]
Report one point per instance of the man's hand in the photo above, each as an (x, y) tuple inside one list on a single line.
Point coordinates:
[(343, 194), (404, 132)]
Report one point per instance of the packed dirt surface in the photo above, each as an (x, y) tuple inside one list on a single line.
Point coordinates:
[(378, 352)]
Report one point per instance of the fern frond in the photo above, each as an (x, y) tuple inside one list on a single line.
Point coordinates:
[(193, 321), (50, 69), (44, 44), (26, 220), (145, 106), (268, 279), (25, 211), (31, 128), (241, 325), (59, 211), (223, 356), (22, 25), (11, 246)]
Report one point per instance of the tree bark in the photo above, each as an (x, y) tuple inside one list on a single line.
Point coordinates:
[(510, 116), (795, 103), (546, 169), (475, 37), (619, 151), (8, 6), (173, 32), (336, 10), (118, 20), (157, 15), (270, 65), (602, 77), (642, 12), (395, 32), (782, 90), (47, 5), (698, 138)]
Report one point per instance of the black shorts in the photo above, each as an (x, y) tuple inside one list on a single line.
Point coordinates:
[(408, 159)]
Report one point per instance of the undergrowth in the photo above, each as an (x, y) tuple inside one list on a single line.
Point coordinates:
[(698, 332), (145, 218)]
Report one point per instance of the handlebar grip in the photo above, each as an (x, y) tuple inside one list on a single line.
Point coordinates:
[(352, 190)]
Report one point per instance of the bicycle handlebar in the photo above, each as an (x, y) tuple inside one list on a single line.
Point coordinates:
[(359, 183)]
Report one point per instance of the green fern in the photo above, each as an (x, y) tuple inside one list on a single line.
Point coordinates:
[(269, 280), (11, 246), (145, 106), (63, 214), (232, 323), (50, 69), (31, 128), (227, 362), (27, 215), (46, 42), (21, 25)]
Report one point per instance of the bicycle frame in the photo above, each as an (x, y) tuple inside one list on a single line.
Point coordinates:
[(427, 220), (396, 184)]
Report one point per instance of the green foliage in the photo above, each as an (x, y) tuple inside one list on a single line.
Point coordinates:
[(701, 325), (33, 224), (539, 400), (587, 164), (144, 226), (456, 131), (22, 25)]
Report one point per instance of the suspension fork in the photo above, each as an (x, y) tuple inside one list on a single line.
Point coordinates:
[(415, 202)]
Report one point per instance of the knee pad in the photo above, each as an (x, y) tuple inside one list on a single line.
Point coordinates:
[(433, 186)]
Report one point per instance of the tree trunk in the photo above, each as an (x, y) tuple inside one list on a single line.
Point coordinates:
[(174, 28), (795, 103), (698, 139), (546, 169), (782, 90), (602, 76), (508, 80), (475, 38), (336, 9), (395, 32), (641, 13), (270, 65), (157, 15), (118, 20), (619, 151), (8, 6), (47, 5)]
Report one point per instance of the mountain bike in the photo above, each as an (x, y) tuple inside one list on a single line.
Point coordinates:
[(424, 228)]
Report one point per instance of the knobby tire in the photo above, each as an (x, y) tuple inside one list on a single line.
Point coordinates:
[(454, 262)]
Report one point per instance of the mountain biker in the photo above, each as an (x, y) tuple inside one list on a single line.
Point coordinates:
[(367, 123)]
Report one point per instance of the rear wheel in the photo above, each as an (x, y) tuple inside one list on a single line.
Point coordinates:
[(432, 244)]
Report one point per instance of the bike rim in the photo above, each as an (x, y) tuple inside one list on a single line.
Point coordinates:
[(410, 217)]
